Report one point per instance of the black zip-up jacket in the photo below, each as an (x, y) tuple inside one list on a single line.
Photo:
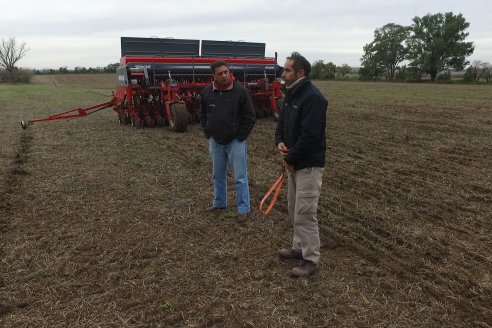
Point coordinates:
[(302, 126), (227, 114)]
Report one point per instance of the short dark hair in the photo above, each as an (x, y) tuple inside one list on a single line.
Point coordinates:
[(300, 63), (217, 64)]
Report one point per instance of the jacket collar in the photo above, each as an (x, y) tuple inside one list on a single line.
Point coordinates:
[(215, 86), (297, 85), (296, 82)]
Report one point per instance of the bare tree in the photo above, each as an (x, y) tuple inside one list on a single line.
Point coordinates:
[(487, 72), (10, 54), (484, 71), (477, 70)]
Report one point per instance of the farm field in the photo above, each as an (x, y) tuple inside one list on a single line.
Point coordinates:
[(102, 225)]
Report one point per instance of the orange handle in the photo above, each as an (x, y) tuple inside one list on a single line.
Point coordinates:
[(277, 186)]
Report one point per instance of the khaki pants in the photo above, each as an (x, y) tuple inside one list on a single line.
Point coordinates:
[(304, 188)]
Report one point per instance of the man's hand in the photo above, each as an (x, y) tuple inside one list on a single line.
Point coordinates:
[(282, 149), (289, 167)]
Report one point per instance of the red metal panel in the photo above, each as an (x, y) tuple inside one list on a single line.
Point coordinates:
[(197, 60)]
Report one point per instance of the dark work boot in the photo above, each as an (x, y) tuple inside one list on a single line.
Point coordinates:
[(289, 254), (213, 209), (305, 269), (242, 218)]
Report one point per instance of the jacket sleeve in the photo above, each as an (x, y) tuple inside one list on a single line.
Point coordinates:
[(313, 122), (248, 116), (203, 107), (279, 131)]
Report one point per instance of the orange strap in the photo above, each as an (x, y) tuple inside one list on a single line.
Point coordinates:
[(277, 185)]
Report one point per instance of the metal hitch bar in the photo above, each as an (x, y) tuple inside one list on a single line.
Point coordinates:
[(74, 113)]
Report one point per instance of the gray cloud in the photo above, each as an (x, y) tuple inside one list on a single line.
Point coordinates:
[(66, 33)]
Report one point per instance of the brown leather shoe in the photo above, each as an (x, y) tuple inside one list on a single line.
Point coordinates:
[(289, 254), (213, 209), (305, 269)]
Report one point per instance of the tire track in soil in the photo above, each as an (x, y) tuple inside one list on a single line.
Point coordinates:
[(414, 260), (14, 175), (12, 186)]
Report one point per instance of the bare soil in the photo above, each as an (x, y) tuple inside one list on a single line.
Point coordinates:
[(102, 225)]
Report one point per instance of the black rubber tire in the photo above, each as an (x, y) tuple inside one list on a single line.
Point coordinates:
[(180, 120)]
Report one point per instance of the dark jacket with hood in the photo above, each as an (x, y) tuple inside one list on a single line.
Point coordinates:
[(227, 114), (302, 125)]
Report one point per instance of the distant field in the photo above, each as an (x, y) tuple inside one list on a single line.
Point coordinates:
[(91, 81), (102, 225)]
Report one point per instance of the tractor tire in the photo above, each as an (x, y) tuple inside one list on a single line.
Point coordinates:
[(179, 121)]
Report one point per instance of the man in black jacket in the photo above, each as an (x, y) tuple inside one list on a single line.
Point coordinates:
[(227, 118), (300, 140)]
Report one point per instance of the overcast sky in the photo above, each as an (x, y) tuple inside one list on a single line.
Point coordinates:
[(87, 33)]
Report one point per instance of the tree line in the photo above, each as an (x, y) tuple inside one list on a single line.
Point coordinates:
[(11, 53), (432, 45), (111, 68)]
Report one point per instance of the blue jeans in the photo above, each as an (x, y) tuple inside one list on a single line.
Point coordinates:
[(235, 155)]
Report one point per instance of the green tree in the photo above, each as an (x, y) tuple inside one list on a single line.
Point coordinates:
[(437, 43), (63, 70), (401, 73), (330, 71), (111, 68), (388, 47), (322, 71), (317, 69), (80, 70), (10, 54), (343, 70), (372, 63)]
